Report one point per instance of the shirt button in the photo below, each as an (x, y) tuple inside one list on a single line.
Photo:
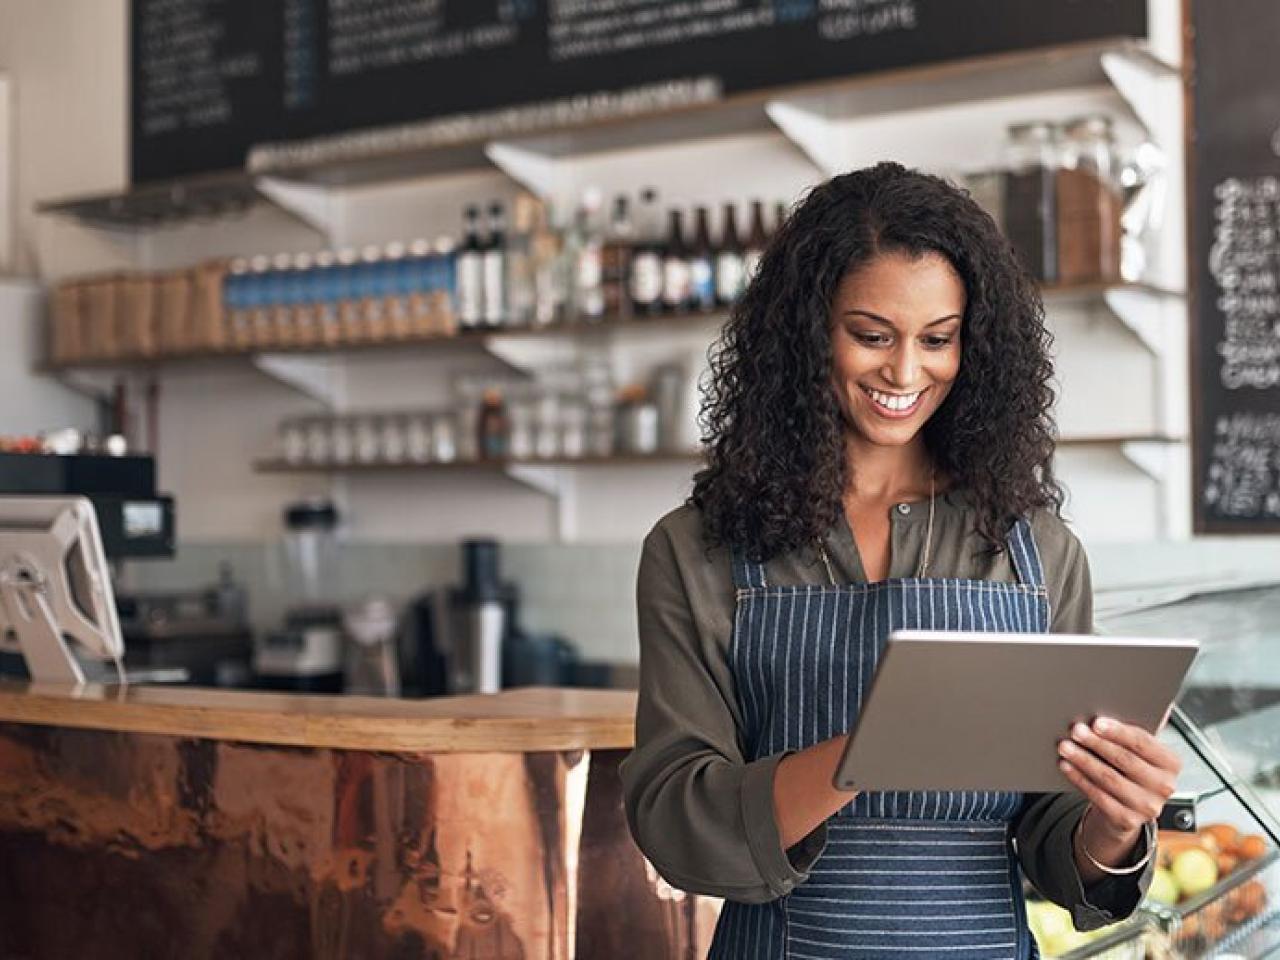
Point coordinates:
[(904, 508)]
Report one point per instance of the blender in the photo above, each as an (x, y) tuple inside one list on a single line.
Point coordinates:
[(306, 654)]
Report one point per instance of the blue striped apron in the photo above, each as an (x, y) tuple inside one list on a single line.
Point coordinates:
[(919, 874)]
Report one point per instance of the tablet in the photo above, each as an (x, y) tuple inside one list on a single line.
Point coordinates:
[(985, 711)]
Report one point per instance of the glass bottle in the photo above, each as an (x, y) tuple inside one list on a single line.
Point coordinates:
[(588, 293), (615, 260), (1090, 202), (495, 269), (646, 258), (757, 240), (521, 282), (1030, 197), (470, 290), (729, 259), (493, 427), (676, 289), (702, 267)]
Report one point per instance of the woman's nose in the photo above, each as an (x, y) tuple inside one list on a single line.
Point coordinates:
[(902, 367)]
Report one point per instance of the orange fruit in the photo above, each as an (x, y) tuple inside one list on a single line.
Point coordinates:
[(1252, 846), (1226, 835), (1226, 863)]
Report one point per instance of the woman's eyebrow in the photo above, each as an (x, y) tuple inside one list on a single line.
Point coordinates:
[(879, 319)]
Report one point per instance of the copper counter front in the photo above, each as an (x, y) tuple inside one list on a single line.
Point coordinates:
[(127, 845)]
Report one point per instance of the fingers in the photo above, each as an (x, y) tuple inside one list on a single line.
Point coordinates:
[(1119, 799), (1137, 741), (1109, 808), (1133, 752)]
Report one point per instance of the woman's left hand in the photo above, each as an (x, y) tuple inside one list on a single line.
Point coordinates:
[(1124, 771)]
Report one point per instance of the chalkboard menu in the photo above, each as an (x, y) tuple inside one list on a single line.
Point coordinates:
[(1235, 265), (211, 78)]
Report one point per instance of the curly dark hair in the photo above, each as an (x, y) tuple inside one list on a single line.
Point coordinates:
[(770, 417)]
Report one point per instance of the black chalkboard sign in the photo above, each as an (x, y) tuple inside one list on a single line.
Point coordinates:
[(211, 78), (1235, 265)]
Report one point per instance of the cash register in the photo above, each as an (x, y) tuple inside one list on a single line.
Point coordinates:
[(196, 636)]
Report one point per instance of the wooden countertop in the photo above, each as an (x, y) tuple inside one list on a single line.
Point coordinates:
[(515, 721)]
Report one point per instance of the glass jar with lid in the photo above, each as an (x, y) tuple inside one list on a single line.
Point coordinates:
[(1031, 160), (1090, 202)]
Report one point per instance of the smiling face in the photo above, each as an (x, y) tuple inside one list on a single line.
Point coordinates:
[(895, 343)]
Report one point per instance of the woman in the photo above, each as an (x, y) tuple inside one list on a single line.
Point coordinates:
[(879, 418)]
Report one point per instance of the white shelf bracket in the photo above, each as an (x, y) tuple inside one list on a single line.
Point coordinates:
[(527, 355), (1143, 314), (537, 172), (813, 134), (312, 204), (321, 378), (1146, 86), (555, 482), (1149, 456)]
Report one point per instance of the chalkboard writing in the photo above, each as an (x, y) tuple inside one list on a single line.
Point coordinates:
[(212, 78), (1235, 211)]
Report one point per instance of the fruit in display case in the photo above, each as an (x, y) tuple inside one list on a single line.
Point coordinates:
[(1195, 871), (1054, 932), (1164, 888)]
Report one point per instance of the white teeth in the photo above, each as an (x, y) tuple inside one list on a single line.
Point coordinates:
[(894, 402)]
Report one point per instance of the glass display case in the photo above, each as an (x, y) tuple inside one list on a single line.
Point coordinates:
[(1216, 893)]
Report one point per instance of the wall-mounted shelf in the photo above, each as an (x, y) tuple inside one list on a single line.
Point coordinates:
[(690, 458), (532, 149)]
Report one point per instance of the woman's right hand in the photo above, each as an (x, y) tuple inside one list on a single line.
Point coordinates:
[(804, 795)]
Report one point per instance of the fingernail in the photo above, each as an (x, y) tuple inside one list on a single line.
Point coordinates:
[(1102, 724), (1067, 748), (1080, 731), (1064, 766)]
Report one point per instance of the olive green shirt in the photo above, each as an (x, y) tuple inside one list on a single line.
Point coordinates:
[(703, 814)]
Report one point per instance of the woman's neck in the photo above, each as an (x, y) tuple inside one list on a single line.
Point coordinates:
[(887, 474)]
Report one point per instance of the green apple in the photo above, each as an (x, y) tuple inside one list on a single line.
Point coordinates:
[(1064, 942), (1195, 871), (1164, 888), (1047, 920)]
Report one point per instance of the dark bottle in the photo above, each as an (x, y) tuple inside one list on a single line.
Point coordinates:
[(615, 260), (757, 240), (492, 427), (729, 260), (702, 265), (471, 272), (676, 286), (779, 217), (495, 268), (1030, 198), (646, 258)]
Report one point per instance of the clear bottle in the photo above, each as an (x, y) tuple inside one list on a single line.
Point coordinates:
[(588, 292), (615, 260), (521, 284), (676, 288), (303, 298), (757, 240), (729, 264), (1090, 202), (1030, 197), (495, 268), (278, 328), (702, 264), (551, 271), (470, 290), (646, 258)]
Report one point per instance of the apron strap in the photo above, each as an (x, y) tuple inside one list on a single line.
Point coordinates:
[(1025, 555), (746, 573)]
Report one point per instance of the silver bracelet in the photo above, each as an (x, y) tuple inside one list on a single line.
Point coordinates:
[(1149, 828)]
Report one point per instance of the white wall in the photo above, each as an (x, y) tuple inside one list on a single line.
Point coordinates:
[(30, 403), (6, 175)]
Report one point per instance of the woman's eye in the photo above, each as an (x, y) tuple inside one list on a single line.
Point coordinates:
[(871, 339), (936, 343)]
